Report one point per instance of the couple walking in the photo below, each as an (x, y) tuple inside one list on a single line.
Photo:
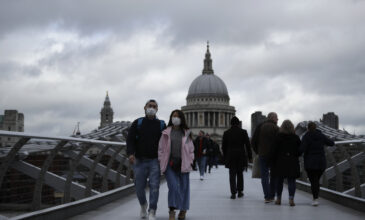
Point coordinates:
[(279, 150), (155, 149)]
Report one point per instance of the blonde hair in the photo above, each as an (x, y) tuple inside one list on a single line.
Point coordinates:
[(287, 127)]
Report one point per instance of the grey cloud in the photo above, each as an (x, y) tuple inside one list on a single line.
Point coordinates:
[(11, 69), (321, 58)]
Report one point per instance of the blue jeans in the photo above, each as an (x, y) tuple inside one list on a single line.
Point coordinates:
[(201, 164), (280, 185), (267, 180), (143, 169), (179, 189)]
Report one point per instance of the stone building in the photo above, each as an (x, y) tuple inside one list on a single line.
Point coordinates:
[(11, 121), (330, 119), (256, 119), (207, 103), (106, 113)]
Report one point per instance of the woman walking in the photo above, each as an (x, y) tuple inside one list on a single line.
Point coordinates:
[(285, 162), (176, 154), (312, 146)]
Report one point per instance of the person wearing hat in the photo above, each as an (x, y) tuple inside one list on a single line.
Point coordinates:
[(236, 152), (142, 149)]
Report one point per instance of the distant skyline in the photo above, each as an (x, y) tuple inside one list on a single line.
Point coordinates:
[(300, 59)]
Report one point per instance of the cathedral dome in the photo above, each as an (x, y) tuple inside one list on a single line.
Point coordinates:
[(208, 85)]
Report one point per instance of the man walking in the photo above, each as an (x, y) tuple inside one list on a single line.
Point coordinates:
[(237, 152), (142, 147), (262, 141)]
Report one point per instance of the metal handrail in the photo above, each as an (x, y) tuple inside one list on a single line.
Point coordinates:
[(58, 138), (61, 142)]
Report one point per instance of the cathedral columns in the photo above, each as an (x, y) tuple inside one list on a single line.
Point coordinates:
[(214, 125)]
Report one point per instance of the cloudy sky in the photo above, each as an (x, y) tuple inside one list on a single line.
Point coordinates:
[(298, 58)]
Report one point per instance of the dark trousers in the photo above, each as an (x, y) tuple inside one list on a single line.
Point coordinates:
[(236, 179), (267, 180), (314, 176), (280, 185)]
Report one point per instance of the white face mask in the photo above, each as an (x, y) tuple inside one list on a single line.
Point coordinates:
[(150, 111), (176, 121)]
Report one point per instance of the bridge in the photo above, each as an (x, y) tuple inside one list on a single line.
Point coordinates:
[(88, 176)]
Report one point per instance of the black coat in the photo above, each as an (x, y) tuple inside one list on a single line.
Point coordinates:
[(203, 151), (313, 143), (236, 148), (143, 142), (284, 156)]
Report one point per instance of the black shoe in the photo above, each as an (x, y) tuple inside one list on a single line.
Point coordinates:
[(233, 196), (240, 194)]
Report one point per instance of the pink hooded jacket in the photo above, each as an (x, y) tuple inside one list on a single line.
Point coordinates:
[(187, 151)]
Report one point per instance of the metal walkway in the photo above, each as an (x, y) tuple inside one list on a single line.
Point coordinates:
[(210, 200)]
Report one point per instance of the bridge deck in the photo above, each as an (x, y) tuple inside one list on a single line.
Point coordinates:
[(210, 200)]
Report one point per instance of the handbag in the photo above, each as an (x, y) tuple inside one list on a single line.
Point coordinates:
[(175, 163), (256, 167)]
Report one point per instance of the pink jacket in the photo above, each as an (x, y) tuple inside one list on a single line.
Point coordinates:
[(187, 151)]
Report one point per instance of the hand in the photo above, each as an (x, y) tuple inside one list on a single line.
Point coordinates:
[(131, 159)]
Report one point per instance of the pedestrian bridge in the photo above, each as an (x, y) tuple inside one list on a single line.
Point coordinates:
[(89, 177), (210, 200)]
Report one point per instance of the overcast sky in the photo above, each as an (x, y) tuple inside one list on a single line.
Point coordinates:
[(298, 58)]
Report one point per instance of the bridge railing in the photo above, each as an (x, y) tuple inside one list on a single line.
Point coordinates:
[(345, 171), (42, 171)]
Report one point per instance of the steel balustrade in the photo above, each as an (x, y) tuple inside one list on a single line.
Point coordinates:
[(74, 148)]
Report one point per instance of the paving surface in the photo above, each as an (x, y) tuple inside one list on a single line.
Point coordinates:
[(210, 200)]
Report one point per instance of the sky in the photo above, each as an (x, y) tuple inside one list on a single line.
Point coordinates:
[(300, 59)]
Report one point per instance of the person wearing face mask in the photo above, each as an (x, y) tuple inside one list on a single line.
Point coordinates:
[(142, 147), (176, 154)]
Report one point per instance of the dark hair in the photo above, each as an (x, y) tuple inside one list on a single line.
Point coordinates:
[(235, 121), (312, 126), (183, 126), (151, 100)]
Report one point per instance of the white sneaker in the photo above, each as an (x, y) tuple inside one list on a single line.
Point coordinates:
[(315, 202), (152, 215), (143, 213), (201, 177)]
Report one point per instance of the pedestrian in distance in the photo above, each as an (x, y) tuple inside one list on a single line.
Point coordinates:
[(142, 149), (312, 147), (285, 162), (210, 152), (201, 145), (176, 154), (262, 141), (236, 152), (213, 158)]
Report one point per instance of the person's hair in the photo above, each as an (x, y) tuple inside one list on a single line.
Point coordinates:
[(287, 127), (235, 121), (201, 131), (151, 100), (272, 115), (183, 126), (312, 126)]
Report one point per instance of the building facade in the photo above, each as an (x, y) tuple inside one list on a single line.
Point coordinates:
[(330, 119), (106, 113), (256, 119), (11, 121), (207, 103)]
